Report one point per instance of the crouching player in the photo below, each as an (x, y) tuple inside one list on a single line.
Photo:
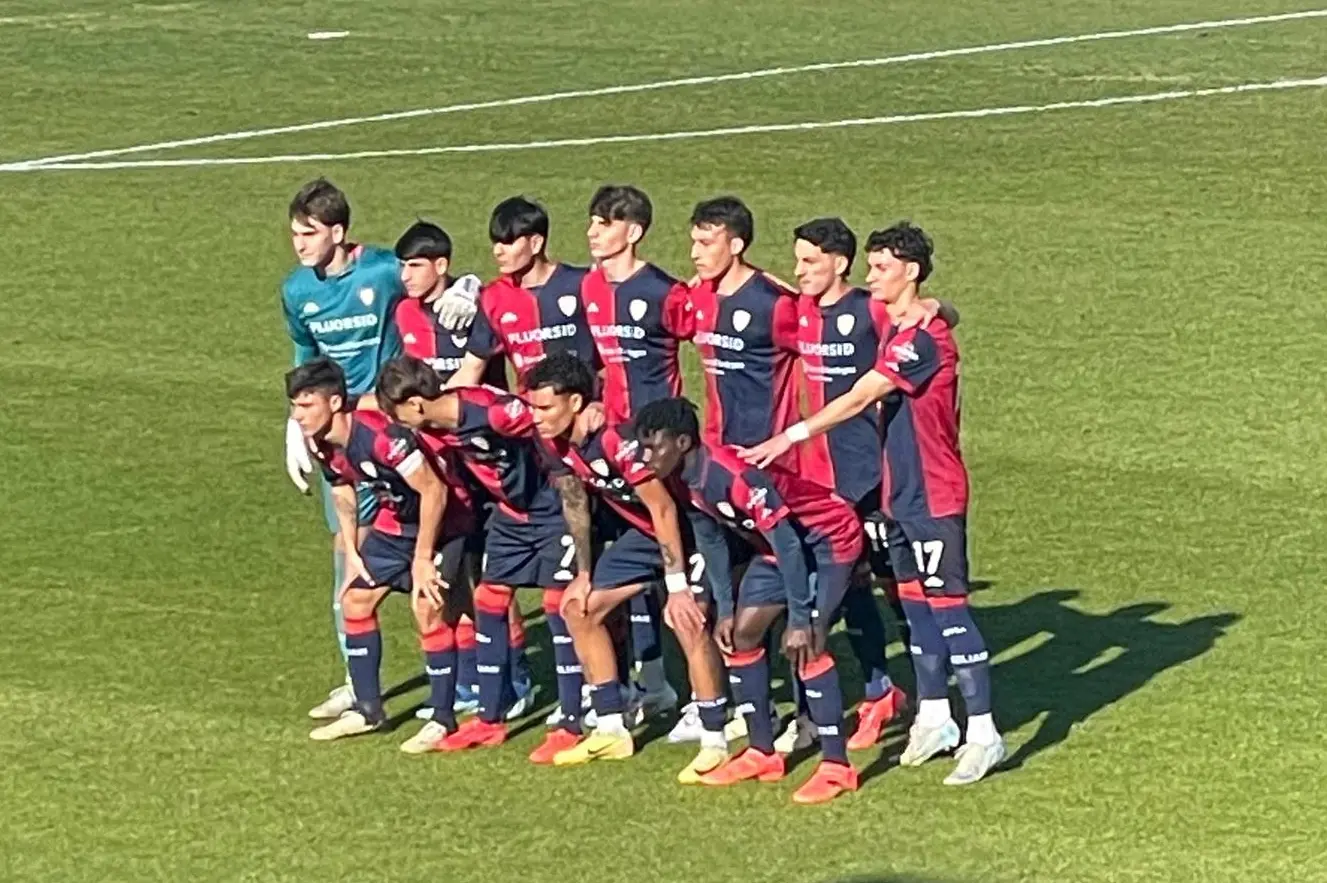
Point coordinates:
[(420, 528), (653, 552), (803, 542), (529, 541)]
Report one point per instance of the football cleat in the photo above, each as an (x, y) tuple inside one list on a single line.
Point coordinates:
[(750, 764), (926, 742), (352, 723), (707, 761), (597, 746), (555, 742), (426, 739), (874, 715), (474, 733), (525, 699), (688, 727), (975, 761), (337, 703), (800, 735), (828, 781)]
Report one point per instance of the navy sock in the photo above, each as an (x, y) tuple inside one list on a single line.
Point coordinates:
[(607, 699), (568, 665), (364, 649), (520, 669), (820, 684), (646, 637), (491, 650), (968, 656), (467, 671), (713, 714), (928, 649), (439, 648), (866, 634), (748, 672)]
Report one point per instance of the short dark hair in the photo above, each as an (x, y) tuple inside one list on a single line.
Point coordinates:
[(830, 235), (728, 212), (405, 377), (316, 375), (565, 374), (322, 201), (906, 242), (622, 202), (515, 217), (423, 239), (675, 417)]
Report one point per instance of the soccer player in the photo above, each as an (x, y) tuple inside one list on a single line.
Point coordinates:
[(653, 552), (337, 303), (839, 329), (419, 527), (791, 529), (637, 315), (534, 307), (531, 535), (925, 499)]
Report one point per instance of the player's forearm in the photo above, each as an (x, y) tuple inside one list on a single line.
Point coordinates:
[(432, 505), (864, 393), (667, 525), (346, 504), (576, 512), (787, 546), (470, 373), (713, 548)]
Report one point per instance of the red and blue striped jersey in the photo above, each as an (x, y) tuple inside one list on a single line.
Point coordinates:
[(423, 337)]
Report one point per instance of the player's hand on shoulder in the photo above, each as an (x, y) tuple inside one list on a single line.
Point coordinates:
[(299, 465), (766, 452), (457, 305), (593, 418)]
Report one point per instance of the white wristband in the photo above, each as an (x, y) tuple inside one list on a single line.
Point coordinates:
[(798, 432), (676, 583)]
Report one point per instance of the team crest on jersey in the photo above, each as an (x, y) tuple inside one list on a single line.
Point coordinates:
[(368, 469), (480, 442), (397, 448), (600, 467), (741, 319), (310, 308), (637, 309), (366, 296), (508, 318), (844, 323), (592, 308), (515, 409), (725, 509), (460, 339), (408, 340), (567, 304)]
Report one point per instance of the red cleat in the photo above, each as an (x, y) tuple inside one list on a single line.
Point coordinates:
[(556, 740), (750, 764), (873, 715), (474, 733), (828, 781)]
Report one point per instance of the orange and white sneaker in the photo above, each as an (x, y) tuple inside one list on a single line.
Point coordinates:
[(750, 764), (474, 733), (557, 740), (874, 715), (828, 781)]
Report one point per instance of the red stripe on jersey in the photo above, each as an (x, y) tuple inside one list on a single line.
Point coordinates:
[(416, 324)]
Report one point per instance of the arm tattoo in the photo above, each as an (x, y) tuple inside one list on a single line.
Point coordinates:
[(576, 510), (346, 505), (670, 561)]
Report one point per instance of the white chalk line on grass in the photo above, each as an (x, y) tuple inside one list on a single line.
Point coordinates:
[(978, 113), (704, 80)]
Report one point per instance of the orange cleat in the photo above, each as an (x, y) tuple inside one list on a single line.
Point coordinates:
[(750, 764), (474, 733), (828, 781), (874, 715), (556, 740)]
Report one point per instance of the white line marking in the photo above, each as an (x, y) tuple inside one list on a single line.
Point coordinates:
[(671, 84), (328, 35), (979, 113)]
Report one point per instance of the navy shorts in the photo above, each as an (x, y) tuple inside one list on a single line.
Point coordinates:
[(634, 558), (762, 584), (388, 560), (536, 553), (932, 551)]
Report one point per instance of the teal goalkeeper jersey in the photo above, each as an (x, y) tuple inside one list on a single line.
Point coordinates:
[(347, 317)]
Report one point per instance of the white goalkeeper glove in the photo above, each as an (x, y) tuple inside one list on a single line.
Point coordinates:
[(298, 464), (457, 305)]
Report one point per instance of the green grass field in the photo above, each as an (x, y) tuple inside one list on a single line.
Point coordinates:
[(1142, 332)]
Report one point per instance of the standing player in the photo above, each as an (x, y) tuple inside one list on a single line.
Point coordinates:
[(419, 527), (803, 542), (637, 315), (925, 499), (337, 303), (531, 541), (653, 552)]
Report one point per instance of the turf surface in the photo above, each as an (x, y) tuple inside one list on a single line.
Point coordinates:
[(1141, 331)]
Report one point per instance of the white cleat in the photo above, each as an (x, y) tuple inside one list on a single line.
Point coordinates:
[(800, 735), (688, 727), (424, 741), (352, 723), (975, 761), (521, 707), (926, 742), (337, 703)]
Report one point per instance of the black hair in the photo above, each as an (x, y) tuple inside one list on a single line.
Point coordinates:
[(404, 378), (907, 243), (423, 239), (830, 235), (322, 201), (622, 202), (727, 212), (565, 374), (316, 375), (516, 217), (675, 417)]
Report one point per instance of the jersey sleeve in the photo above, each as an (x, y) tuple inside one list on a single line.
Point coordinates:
[(909, 359), (679, 314), (785, 323), (755, 495), (511, 416), (626, 454), (398, 449), (484, 341)]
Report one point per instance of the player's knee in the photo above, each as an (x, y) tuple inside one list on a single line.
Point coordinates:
[(358, 603)]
